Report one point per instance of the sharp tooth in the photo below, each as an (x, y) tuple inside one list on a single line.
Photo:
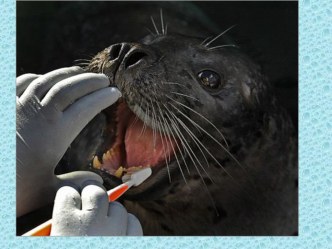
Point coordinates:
[(109, 154), (118, 172), (96, 163), (104, 157)]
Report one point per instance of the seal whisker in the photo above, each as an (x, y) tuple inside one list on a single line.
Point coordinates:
[(223, 46), (167, 156), (164, 128), (88, 59), (222, 33), (185, 95), (173, 83), (201, 176), (82, 64), (162, 22), (154, 25), (194, 138), (179, 148), (183, 144), (190, 134), (82, 60), (146, 119), (195, 124), (144, 122), (153, 124), (205, 40), (204, 147), (158, 123), (199, 162), (136, 118), (175, 153), (202, 116), (165, 122)]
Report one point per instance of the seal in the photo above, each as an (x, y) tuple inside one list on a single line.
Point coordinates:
[(204, 118)]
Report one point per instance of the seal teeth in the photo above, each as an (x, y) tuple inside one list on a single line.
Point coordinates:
[(96, 163), (105, 157), (118, 173)]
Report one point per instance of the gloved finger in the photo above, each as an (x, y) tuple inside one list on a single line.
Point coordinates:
[(85, 109), (134, 227), (69, 90), (95, 199), (77, 178), (118, 215), (40, 86), (23, 81), (67, 198)]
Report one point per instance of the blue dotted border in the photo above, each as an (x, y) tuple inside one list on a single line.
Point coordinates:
[(315, 104)]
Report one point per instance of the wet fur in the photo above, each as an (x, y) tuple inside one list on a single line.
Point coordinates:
[(248, 186)]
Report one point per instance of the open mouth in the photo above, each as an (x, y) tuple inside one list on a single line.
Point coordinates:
[(133, 145)]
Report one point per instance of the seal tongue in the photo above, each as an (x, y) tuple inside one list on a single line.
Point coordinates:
[(136, 145), (145, 147)]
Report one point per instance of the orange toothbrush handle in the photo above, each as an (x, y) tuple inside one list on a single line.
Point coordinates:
[(42, 230), (115, 193)]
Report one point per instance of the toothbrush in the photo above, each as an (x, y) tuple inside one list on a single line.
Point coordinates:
[(129, 180)]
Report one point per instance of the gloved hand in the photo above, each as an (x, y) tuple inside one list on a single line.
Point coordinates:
[(91, 214), (51, 111)]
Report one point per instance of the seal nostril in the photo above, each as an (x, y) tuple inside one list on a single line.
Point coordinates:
[(115, 51), (134, 58)]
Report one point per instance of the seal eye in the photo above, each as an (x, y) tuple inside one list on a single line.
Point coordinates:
[(209, 79)]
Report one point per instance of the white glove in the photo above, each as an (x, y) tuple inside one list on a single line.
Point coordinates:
[(52, 109), (91, 214)]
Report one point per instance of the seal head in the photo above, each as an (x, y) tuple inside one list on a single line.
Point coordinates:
[(204, 119)]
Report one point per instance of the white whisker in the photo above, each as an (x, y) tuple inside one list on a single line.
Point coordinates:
[(224, 32), (154, 25), (162, 22), (173, 83), (167, 156), (176, 141), (175, 154), (195, 124), (187, 107), (190, 152), (223, 46), (184, 95), (205, 40)]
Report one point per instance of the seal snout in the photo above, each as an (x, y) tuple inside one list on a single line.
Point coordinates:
[(123, 56)]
